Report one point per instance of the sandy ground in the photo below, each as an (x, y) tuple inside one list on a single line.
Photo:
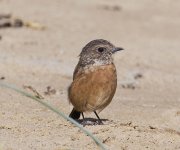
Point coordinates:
[(146, 117)]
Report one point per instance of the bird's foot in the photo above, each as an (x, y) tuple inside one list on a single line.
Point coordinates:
[(91, 123), (100, 122)]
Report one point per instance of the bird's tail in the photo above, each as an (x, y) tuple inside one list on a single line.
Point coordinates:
[(75, 114)]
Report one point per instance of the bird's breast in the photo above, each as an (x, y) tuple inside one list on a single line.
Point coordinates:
[(93, 88)]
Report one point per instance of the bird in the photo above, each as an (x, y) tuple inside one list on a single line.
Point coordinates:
[(94, 79)]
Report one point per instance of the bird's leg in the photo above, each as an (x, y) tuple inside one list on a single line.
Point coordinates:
[(99, 120), (83, 122), (82, 116)]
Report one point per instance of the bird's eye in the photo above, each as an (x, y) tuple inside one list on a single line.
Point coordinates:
[(101, 49)]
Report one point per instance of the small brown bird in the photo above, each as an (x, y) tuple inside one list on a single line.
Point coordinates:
[(94, 79)]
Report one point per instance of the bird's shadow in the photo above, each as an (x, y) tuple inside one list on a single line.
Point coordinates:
[(91, 121)]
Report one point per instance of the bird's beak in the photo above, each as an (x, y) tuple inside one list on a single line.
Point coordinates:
[(114, 50)]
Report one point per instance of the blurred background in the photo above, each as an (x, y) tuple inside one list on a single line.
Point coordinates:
[(40, 41)]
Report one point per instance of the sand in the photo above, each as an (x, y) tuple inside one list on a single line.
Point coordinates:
[(145, 111)]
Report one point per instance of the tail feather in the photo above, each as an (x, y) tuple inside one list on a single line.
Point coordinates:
[(75, 114)]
